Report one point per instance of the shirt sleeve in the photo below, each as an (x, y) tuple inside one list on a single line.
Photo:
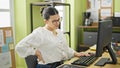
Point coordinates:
[(70, 52), (28, 45)]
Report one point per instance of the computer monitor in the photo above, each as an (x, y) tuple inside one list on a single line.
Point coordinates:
[(104, 39)]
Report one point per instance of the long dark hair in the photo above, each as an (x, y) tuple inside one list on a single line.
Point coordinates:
[(48, 11)]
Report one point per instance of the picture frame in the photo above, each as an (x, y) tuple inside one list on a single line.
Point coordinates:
[(106, 3)]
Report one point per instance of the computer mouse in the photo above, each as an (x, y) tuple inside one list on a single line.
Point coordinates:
[(90, 53)]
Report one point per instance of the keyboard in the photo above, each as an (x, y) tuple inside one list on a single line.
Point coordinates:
[(85, 60)]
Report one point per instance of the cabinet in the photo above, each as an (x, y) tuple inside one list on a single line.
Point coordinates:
[(88, 35), (53, 4), (85, 34)]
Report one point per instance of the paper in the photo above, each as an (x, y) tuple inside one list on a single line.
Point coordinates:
[(9, 40), (1, 38), (94, 15), (93, 4), (117, 14), (11, 46), (8, 33), (5, 48), (93, 48), (5, 60), (106, 3), (106, 12)]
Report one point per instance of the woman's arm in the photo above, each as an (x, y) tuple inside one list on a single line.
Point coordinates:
[(28, 45)]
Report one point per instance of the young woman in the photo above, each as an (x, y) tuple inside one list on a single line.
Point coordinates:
[(48, 42)]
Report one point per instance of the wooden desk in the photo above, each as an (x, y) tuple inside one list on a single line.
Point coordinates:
[(105, 55)]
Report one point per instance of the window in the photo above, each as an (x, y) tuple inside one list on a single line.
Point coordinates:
[(64, 26), (61, 10), (5, 13)]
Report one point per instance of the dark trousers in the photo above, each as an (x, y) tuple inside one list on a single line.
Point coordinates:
[(50, 65)]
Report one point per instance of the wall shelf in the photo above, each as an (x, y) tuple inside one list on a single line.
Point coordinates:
[(89, 27)]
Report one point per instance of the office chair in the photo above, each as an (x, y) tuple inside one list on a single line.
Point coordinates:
[(31, 61)]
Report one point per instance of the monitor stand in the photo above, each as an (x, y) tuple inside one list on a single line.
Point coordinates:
[(104, 61), (112, 55)]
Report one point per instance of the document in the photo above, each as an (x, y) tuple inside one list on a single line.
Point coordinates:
[(5, 60), (106, 3), (93, 48), (8, 33), (106, 12)]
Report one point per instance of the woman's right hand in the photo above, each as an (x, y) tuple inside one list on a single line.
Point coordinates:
[(39, 56)]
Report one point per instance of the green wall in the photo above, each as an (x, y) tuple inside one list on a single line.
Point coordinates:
[(22, 23), (116, 5), (77, 8)]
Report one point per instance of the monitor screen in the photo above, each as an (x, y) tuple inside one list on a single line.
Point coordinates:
[(104, 39)]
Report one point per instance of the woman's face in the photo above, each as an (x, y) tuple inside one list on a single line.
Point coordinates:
[(53, 22)]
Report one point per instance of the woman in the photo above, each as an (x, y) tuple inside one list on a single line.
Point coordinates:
[(48, 42)]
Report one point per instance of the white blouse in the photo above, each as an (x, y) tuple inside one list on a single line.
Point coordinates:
[(53, 48)]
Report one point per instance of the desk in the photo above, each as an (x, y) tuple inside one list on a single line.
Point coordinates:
[(105, 55)]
